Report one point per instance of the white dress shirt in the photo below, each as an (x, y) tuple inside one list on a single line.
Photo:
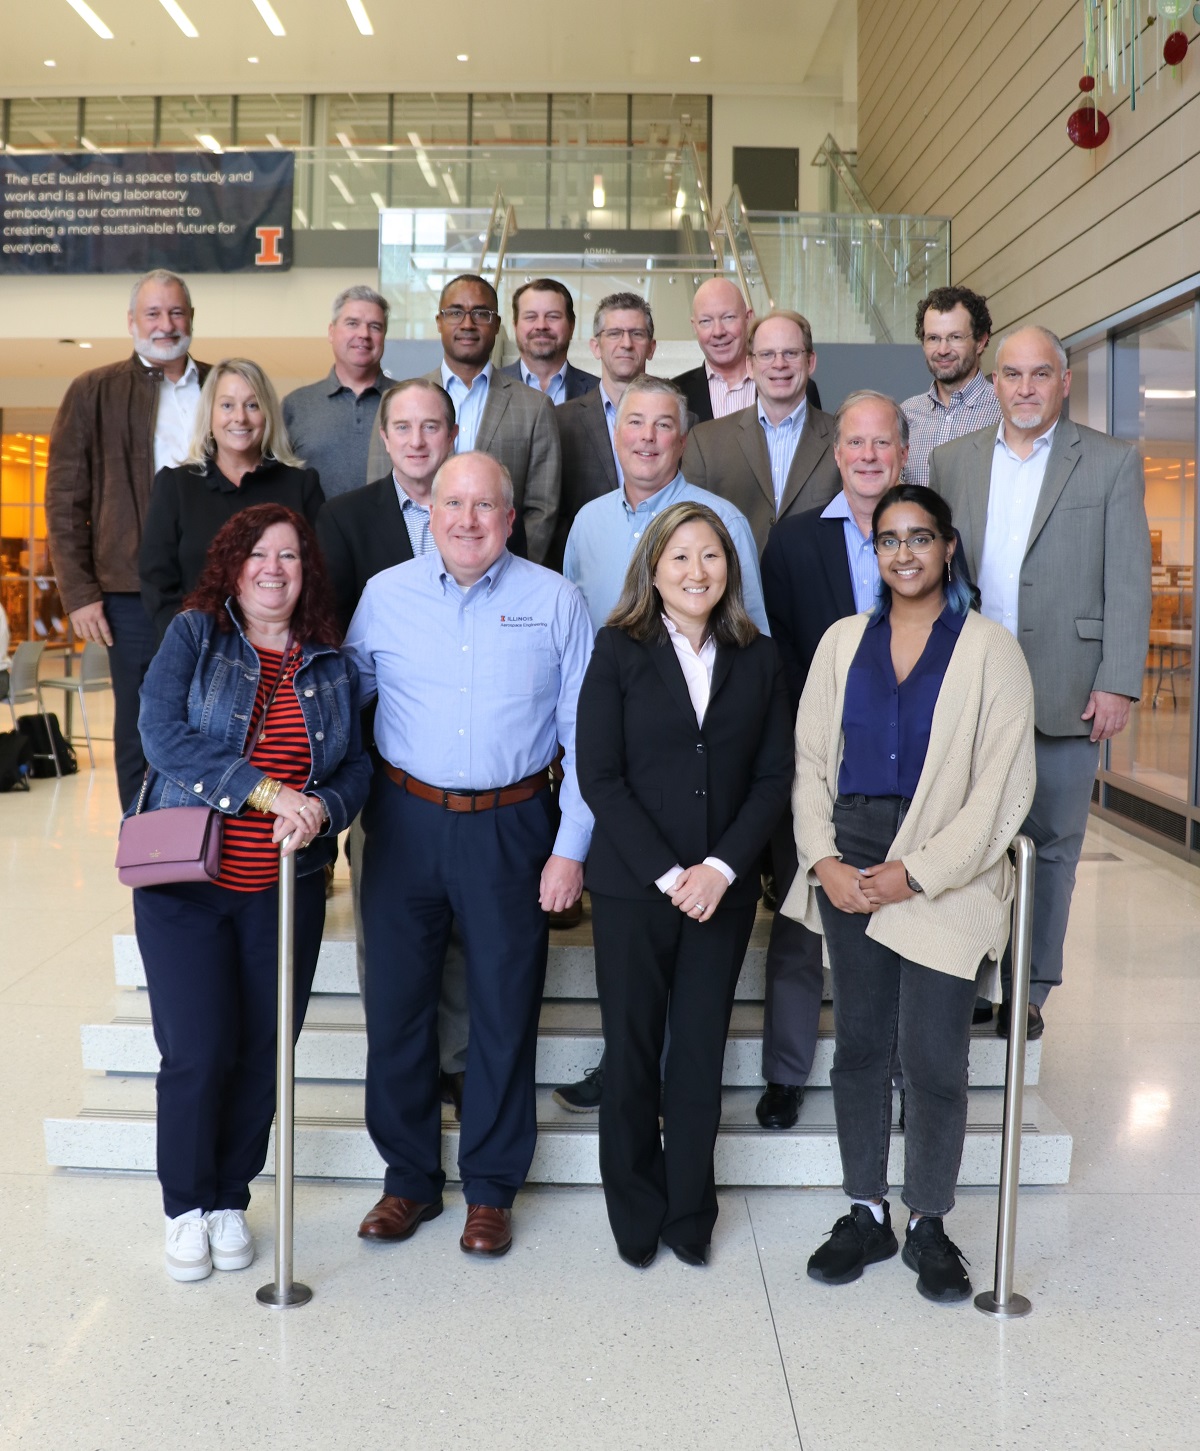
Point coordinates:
[(175, 416), (697, 667), (1015, 488)]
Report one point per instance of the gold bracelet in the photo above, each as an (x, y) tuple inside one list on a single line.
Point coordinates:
[(262, 798)]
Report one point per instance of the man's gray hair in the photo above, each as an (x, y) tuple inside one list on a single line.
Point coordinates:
[(360, 292), (506, 483), (166, 279), (621, 302), (1044, 333), (645, 384), (869, 395)]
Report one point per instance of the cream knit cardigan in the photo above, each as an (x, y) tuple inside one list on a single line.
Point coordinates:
[(973, 794)]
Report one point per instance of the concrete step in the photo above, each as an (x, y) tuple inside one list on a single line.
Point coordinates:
[(333, 1044), (114, 1130)]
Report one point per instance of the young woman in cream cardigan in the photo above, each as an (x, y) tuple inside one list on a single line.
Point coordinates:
[(914, 771)]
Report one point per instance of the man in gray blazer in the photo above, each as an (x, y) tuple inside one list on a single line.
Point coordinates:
[(775, 458), (1053, 520), (497, 414), (543, 326)]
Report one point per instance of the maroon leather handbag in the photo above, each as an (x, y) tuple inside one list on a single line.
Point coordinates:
[(179, 843)]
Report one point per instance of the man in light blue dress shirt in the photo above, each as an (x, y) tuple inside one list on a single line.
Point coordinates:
[(650, 432), (476, 658), (543, 326)]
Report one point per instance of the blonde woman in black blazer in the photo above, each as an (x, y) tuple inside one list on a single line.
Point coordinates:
[(684, 754)]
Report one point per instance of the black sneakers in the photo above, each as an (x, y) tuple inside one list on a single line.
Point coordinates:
[(584, 1096), (854, 1242), (937, 1260)]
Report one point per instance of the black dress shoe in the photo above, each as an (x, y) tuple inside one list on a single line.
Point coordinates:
[(691, 1254), (640, 1259), (982, 1013), (779, 1107), (1035, 1025), (450, 1085)]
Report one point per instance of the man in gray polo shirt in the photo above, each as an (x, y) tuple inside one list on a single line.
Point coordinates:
[(331, 423)]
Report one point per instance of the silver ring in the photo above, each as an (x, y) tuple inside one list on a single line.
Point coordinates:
[(698, 907)]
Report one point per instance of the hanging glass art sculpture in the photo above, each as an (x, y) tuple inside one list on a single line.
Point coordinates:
[(1114, 57)]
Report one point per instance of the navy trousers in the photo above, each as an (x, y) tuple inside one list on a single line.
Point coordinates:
[(424, 866), (129, 658), (211, 958)]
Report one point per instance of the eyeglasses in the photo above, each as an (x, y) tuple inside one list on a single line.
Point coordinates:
[(789, 355), (634, 334), (955, 340), (921, 541), (481, 315)]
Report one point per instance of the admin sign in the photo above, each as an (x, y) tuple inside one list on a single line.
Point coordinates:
[(91, 212)]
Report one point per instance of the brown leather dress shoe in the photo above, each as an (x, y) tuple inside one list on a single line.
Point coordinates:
[(395, 1218), (488, 1230)]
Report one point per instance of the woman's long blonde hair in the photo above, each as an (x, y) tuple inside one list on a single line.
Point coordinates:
[(275, 442)]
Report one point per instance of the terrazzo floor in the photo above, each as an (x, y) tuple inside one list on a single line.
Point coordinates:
[(559, 1345)]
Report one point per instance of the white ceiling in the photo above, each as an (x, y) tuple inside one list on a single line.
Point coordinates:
[(764, 45)]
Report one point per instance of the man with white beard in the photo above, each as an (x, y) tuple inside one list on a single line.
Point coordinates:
[(116, 427)]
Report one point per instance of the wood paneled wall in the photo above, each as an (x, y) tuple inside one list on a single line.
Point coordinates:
[(962, 111)]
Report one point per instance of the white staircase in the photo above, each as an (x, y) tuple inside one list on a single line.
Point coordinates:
[(113, 1128)]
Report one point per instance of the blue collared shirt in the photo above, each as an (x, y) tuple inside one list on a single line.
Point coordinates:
[(782, 439), (606, 532), (469, 403), (885, 725), (478, 687), (416, 520), (557, 391), (860, 554), (610, 418)]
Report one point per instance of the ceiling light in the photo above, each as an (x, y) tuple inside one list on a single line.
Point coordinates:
[(50, 62), (337, 181), (272, 21), (252, 60), (275, 141), (680, 200), (462, 57), (451, 189), (86, 13), (87, 144), (210, 143), (177, 15), (338, 226), (1166, 395), (695, 59), (377, 198), (598, 190), (361, 18), (345, 142), (85, 345)]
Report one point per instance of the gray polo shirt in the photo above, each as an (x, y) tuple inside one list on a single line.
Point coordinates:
[(331, 429)]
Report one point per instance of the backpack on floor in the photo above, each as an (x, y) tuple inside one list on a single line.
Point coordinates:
[(16, 761), (39, 730)]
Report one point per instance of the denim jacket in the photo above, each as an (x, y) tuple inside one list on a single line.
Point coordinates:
[(197, 699)]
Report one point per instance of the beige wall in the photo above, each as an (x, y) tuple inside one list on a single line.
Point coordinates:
[(779, 120), (962, 112)]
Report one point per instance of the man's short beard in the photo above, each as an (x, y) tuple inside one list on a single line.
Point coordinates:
[(1026, 424), (962, 369), (544, 352), (159, 351)]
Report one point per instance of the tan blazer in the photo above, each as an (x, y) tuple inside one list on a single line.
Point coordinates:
[(728, 456)]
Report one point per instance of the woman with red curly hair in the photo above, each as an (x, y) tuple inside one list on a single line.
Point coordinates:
[(251, 709)]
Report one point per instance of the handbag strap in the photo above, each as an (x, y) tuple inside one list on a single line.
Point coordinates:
[(254, 735)]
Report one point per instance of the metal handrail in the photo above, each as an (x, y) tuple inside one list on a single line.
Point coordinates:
[(736, 201), (706, 210), (497, 203), (1001, 1300), (508, 230)]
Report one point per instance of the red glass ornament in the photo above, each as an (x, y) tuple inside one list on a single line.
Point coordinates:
[(1175, 47), (1087, 83), (1088, 127)]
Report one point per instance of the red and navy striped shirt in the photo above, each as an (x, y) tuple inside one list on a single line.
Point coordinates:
[(249, 858)]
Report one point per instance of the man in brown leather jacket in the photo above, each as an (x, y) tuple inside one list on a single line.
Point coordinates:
[(115, 428)]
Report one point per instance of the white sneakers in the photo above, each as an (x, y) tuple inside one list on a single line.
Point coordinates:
[(198, 1243)]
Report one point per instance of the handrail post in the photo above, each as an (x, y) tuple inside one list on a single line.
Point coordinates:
[(1001, 1300), (284, 1291)]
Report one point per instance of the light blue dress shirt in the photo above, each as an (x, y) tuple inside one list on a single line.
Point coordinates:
[(1013, 497), (557, 391), (860, 554), (606, 532), (610, 417), (477, 688), (416, 520), (782, 439), (469, 403)]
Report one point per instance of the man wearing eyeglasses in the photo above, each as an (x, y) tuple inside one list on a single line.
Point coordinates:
[(818, 567), (953, 328), (497, 414), (723, 383), (622, 342), (774, 458)]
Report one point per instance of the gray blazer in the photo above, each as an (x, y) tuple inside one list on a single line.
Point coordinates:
[(588, 467), (1084, 614), (728, 456)]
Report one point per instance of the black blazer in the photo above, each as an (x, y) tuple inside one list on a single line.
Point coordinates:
[(694, 385), (578, 382), (664, 790)]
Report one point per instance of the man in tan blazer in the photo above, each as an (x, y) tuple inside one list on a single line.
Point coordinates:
[(1052, 517), (775, 458)]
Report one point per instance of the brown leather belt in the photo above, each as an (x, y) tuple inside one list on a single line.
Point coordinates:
[(471, 801)]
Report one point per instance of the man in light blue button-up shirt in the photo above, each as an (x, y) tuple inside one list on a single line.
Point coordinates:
[(476, 658)]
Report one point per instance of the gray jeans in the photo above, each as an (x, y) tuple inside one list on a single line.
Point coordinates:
[(881, 998)]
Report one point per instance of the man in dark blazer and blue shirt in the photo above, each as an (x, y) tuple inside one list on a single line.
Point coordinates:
[(543, 325), (817, 568)]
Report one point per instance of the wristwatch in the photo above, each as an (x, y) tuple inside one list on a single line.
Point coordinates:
[(913, 884)]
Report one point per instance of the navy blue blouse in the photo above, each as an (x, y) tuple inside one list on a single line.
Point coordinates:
[(885, 725)]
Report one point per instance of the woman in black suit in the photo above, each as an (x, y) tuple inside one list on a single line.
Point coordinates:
[(684, 754)]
